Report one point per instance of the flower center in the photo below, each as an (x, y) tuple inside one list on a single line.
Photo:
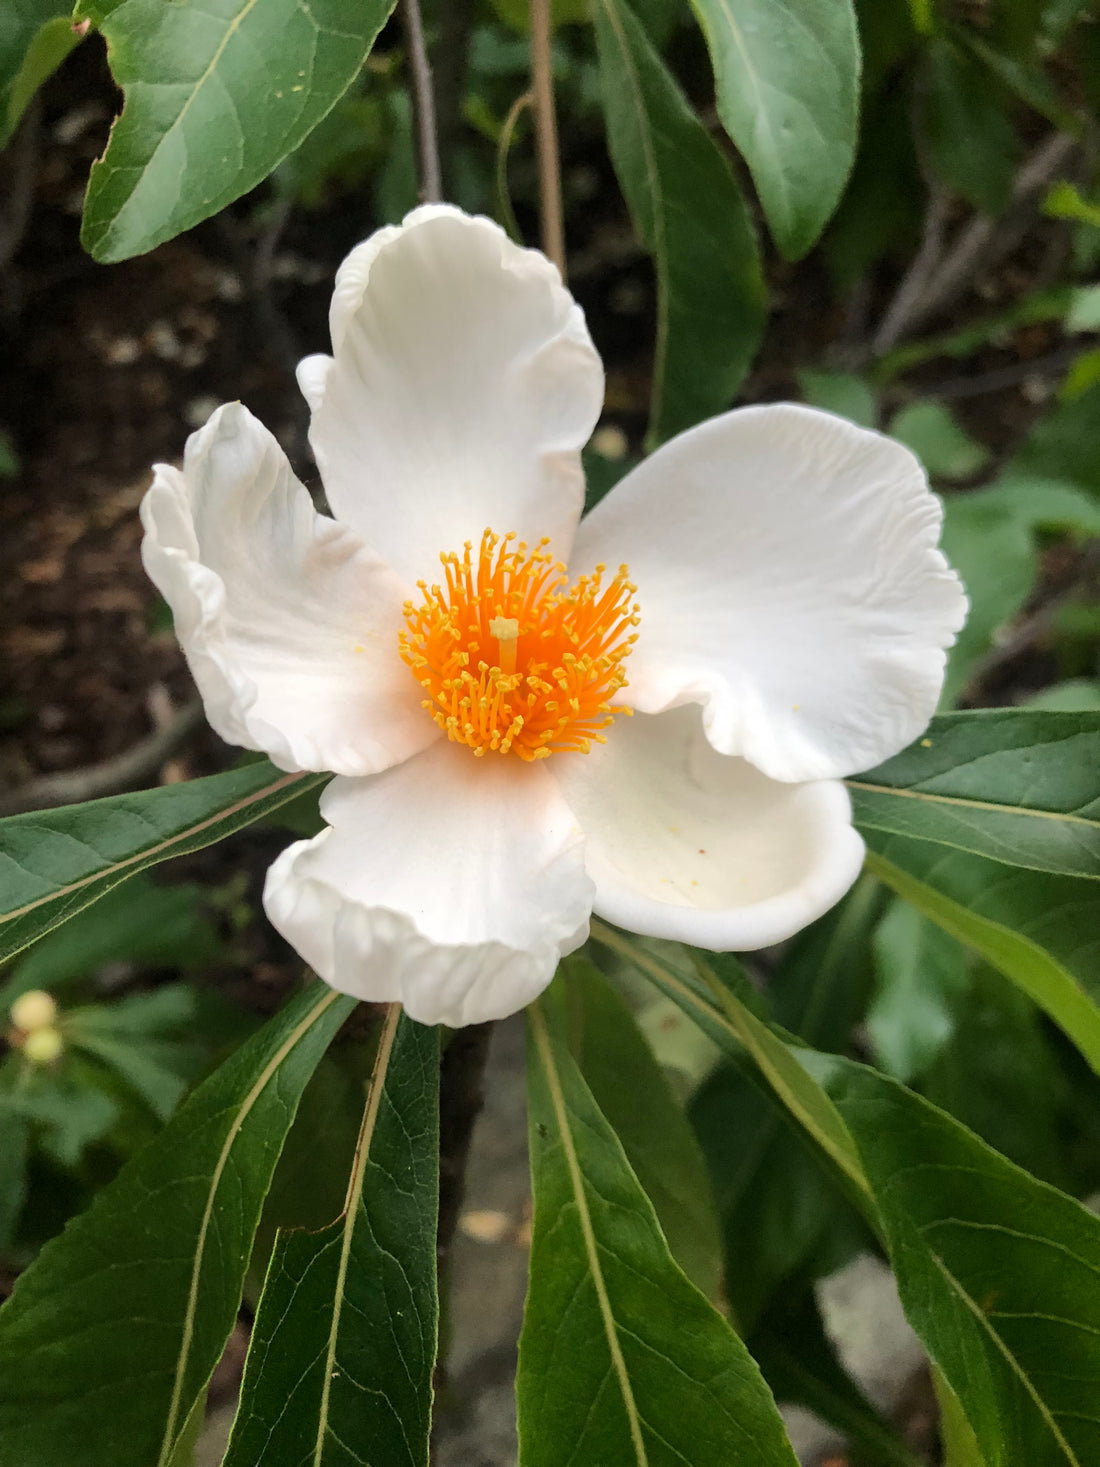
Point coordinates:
[(512, 658)]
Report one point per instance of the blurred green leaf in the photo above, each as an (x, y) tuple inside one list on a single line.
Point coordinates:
[(934, 435), (921, 979), (15, 1129), (787, 78), (35, 37), (1021, 787), (153, 1271), (214, 101), (621, 1359), (66, 1112), (1062, 445), (1063, 201), (344, 1340), (801, 1367), (783, 1072), (689, 213), (139, 922), (970, 140), (990, 538), (633, 1094), (1022, 75), (842, 393), (781, 1210), (1075, 695), (999, 1274), (55, 862), (1003, 1075), (1042, 931)]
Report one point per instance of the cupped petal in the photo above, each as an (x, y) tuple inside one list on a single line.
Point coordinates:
[(685, 843), (289, 623), (451, 883), (789, 580), (463, 386)]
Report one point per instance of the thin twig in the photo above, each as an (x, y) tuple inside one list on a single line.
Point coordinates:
[(505, 212), (917, 279), (1012, 373), (110, 776), (450, 63), (981, 243), (427, 143), (546, 131)]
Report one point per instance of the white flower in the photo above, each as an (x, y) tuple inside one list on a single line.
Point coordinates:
[(792, 615)]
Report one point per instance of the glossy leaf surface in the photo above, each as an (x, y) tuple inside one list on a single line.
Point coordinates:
[(999, 1274), (340, 1366), (54, 862), (688, 212), (632, 1091), (623, 1363), (215, 98), (787, 76), (1018, 786), (1041, 931), (133, 1303)]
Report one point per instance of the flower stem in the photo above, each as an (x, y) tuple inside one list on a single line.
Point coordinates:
[(546, 131), (427, 143)]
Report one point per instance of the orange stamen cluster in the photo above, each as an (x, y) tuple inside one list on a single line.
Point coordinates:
[(512, 658)]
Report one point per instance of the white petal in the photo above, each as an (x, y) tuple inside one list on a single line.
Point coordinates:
[(463, 388), (789, 579), (288, 621), (686, 843), (451, 883)]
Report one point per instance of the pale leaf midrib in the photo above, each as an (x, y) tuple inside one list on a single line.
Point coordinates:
[(1014, 1365), (557, 1100), (926, 796), (168, 1444), (351, 1211), (150, 852)]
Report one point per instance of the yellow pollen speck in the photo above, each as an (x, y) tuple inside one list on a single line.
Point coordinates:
[(514, 659), (359, 649), (926, 743)]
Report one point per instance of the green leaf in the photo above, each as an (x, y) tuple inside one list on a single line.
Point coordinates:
[(999, 1274), (621, 1359), (1019, 786), (971, 142), (343, 1346), (782, 1071), (13, 1168), (1064, 201), (689, 213), (931, 431), (35, 37), (1062, 445), (148, 1280), (54, 862), (214, 101), (781, 1209), (1042, 931), (138, 922), (799, 1363), (787, 77), (1008, 1076), (632, 1091), (842, 393), (921, 978)]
